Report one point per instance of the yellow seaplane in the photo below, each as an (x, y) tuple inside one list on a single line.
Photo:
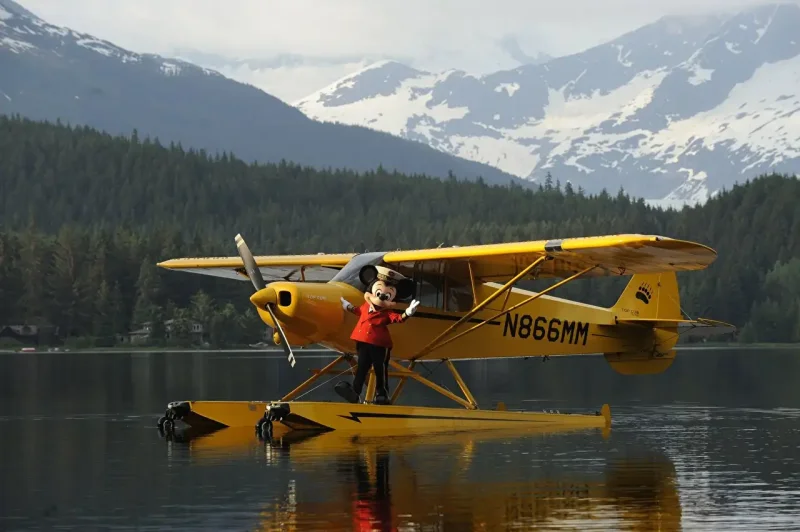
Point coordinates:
[(469, 308)]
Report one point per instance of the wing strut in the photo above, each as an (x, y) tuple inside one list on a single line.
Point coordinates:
[(505, 288)]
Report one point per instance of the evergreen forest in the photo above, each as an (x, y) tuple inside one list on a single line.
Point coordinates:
[(85, 216)]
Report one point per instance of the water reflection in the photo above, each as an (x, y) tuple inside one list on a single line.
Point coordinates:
[(352, 482), (711, 444)]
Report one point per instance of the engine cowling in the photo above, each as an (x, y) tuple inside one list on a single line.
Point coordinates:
[(309, 312)]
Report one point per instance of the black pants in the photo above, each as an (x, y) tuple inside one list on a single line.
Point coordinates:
[(376, 357)]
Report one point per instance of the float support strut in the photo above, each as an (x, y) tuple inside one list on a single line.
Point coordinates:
[(433, 386), (461, 383), (401, 384), (291, 395)]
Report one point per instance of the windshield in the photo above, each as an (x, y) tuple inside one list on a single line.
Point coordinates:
[(349, 274)]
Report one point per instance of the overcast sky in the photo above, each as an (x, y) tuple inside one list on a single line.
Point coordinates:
[(330, 38)]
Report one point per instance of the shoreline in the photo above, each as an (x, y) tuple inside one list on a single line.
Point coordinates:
[(278, 350)]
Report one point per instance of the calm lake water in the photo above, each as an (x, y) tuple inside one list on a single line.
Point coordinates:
[(711, 444)]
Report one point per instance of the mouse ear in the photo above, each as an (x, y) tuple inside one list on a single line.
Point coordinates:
[(405, 289), (368, 274)]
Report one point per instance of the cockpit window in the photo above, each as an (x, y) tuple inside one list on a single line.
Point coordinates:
[(349, 274), (432, 288)]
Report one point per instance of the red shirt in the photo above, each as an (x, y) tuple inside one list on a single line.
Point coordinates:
[(372, 326)]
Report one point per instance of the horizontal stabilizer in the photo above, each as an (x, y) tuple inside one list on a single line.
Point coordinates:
[(698, 327)]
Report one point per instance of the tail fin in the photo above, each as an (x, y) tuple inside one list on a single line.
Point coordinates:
[(650, 296), (652, 301)]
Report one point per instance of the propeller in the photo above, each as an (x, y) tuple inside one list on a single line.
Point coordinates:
[(258, 283)]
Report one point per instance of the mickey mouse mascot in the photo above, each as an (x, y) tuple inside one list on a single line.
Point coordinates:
[(373, 342)]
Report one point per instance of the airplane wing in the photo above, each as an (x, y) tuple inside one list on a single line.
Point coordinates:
[(625, 254), (312, 268)]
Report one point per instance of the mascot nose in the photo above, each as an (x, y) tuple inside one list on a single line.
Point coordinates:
[(384, 297)]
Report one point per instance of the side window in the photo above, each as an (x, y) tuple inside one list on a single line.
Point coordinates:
[(443, 286), (459, 297), (458, 287), (430, 284)]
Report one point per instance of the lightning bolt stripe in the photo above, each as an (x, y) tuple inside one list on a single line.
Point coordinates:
[(356, 416)]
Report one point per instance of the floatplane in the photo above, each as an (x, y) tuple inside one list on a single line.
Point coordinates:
[(469, 308)]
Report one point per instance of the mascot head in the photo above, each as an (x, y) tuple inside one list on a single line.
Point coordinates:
[(384, 286)]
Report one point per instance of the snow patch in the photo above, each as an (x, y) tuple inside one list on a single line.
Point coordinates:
[(170, 69), (15, 45), (569, 115), (762, 30), (573, 161), (732, 48), (96, 46), (622, 59), (758, 131), (510, 88), (390, 113), (693, 191), (699, 74), (513, 158), (5, 15), (24, 30), (54, 30)]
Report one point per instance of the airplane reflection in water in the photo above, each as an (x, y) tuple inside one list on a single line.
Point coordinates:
[(372, 482)]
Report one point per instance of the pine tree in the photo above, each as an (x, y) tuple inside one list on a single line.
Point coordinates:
[(202, 309), (147, 293), (104, 319)]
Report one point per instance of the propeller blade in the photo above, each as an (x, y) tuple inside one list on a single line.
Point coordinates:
[(258, 283), (249, 264), (285, 343)]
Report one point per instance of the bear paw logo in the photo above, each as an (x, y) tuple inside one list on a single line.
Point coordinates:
[(644, 293)]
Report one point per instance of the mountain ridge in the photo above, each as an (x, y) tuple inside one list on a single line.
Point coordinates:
[(661, 110)]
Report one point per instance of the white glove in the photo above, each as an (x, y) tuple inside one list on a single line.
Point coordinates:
[(345, 304), (412, 308)]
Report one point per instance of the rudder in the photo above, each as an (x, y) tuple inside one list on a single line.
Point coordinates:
[(647, 300), (650, 296)]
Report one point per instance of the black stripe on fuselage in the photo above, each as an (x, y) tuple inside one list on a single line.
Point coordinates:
[(451, 318)]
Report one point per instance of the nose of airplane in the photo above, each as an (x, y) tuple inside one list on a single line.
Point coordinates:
[(264, 297), (311, 311)]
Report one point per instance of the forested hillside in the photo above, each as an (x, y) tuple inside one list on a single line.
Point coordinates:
[(85, 216)]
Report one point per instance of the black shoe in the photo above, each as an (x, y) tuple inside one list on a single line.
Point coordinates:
[(345, 390), (382, 400)]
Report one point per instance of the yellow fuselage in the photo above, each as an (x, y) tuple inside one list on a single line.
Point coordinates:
[(311, 313)]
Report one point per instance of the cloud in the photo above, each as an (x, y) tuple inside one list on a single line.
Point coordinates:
[(473, 35)]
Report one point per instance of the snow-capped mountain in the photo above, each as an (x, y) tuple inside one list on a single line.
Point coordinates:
[(52, 73), (22, 31), (674, 110)]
